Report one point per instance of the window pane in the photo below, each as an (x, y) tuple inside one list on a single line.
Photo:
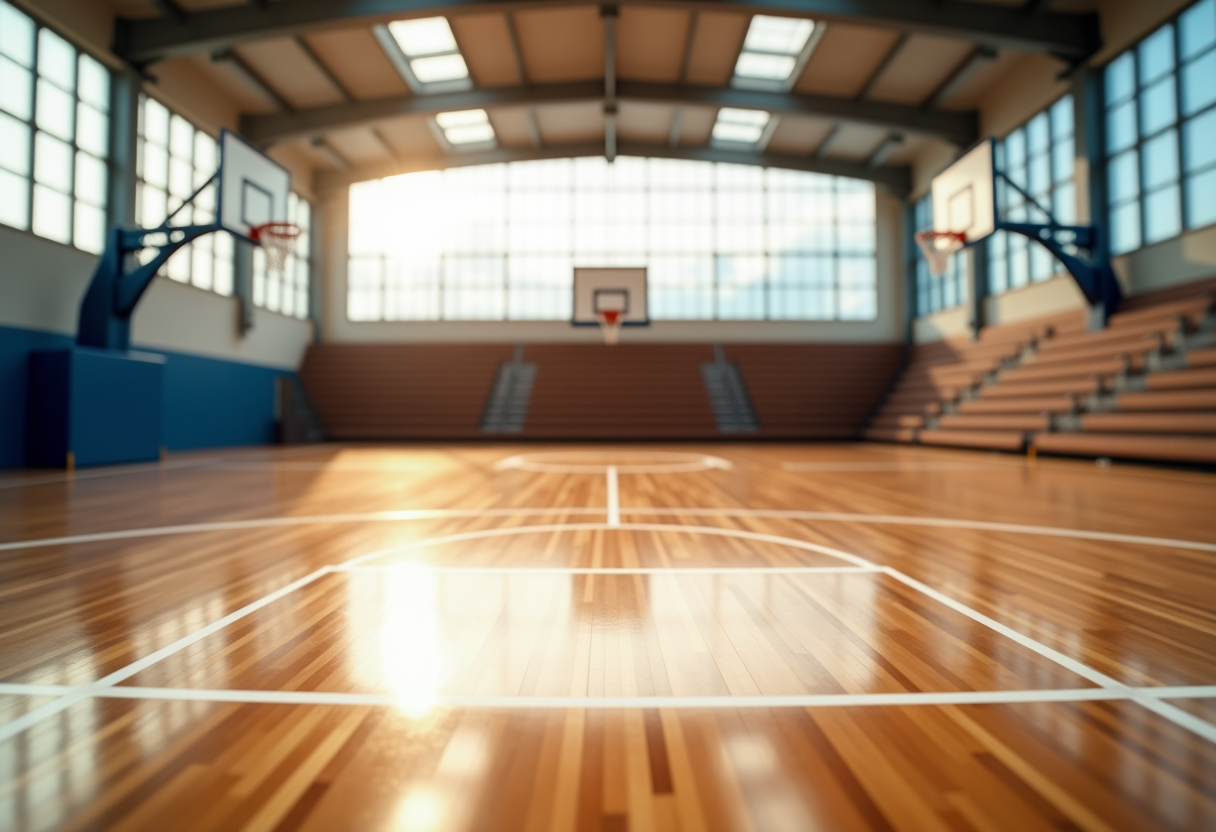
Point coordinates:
[(16, 89), (1199, 142), (1197, 28), (56, 60), (1161, 160), (1120, 78), (14, 200), (155, 122), (1199, 84), (1121, 130), (1162, 215), (1158, 106), (52, 214), (55, 110), (92, 130), (94, 84), (1123, 176), (1064, 159), (1201, 199), (14, 145), (1156, 53), (1125, 228), (89, 233), (1062, 116), (52, 162), (90, 179), (181, 138), (16, 35)]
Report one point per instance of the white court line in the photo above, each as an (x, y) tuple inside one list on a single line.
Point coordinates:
[(439, 514), (614, 497), (22, 689), (673, 571), (302, 520), (35, 716), (680, 463), (717, 531), (882, 466), (932, 522)]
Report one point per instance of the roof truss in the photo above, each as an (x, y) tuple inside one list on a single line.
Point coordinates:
[(266, 130), (898, 180), (1072, 36)]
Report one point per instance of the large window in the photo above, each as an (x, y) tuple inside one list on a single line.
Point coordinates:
[(1161, 132), (287, 291), (1040, 157), (935, 292), (54, 135), (499, 242), (175, 159)]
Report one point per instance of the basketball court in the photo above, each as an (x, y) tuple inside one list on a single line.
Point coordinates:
[(656, 416)]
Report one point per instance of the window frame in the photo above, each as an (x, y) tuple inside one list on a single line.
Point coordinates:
[(31, 182), (1183, 178), (793, 276)]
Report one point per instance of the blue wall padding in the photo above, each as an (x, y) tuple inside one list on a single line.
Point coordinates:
[(208, 402), (100, 406)]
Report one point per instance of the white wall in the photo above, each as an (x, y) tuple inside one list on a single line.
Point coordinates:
[(887, 328), (41, 284)]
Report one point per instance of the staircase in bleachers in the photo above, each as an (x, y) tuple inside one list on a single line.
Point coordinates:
[(1145, 387), (592, 391)]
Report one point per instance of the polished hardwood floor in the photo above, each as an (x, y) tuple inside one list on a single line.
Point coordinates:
[(609, 637)]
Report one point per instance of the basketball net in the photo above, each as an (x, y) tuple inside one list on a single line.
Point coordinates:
[(610, 324), (278, 240), (938, 247)]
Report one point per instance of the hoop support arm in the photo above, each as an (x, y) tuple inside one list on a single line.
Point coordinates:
[(113, 293), (1094, 275)]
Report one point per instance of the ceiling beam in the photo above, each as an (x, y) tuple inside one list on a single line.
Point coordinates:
[(979, 58), (266, 130), (1074, 36), (170, 8), (895, 179)]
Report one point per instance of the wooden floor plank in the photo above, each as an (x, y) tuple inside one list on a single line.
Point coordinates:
[(448, 608)]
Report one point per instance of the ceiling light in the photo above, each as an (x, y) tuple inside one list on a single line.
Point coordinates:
[(461, 118), (473, 134), (768, 67), (740, 126), (780, 35), (429, 36), (439, 68), (466, 127)]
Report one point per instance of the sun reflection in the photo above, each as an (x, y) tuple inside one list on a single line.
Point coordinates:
[(413, 664), (422, 810)]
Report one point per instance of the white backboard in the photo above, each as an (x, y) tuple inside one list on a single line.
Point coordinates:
[(964, 197), (620, 290), (253, 187)]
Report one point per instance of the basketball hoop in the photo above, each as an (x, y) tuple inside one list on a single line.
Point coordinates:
[(277, 239), (938, 247), (610, 324)]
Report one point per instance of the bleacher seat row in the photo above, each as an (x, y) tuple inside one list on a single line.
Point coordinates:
[(1144, 387), (591, 391)]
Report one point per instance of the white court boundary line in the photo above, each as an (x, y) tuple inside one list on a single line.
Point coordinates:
[(729, 513), (407, 566), (680, 463), (614, 496), (1108, 687)]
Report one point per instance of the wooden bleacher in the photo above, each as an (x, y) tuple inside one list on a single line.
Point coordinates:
[(591, 391), (401, 391), (1145, 387), (815, 391)]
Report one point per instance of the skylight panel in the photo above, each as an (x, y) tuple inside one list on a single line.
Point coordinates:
[(439, 68), (740, 126), (429, 36), (464, 127), (766, 67), (779, 35)]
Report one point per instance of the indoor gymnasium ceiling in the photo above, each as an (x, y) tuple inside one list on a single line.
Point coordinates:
[(876, 80)]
